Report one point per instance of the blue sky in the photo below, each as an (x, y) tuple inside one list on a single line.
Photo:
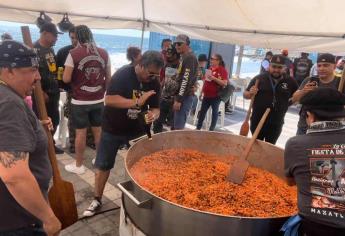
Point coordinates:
[(122, 32)]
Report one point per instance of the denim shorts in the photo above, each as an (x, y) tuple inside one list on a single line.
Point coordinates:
[(84, 116), (107, 150)]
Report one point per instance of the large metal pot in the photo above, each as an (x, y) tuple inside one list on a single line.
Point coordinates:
[(156, 216)]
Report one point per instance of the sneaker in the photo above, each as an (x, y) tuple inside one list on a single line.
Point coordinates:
[(93, 161), (93, 208), (74, 169), (58, 150)]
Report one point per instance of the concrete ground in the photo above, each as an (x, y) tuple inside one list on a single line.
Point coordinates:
[(108, 223)]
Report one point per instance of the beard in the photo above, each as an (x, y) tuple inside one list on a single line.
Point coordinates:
[(276, 75)]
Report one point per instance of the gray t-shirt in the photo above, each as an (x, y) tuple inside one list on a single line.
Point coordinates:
[(21, 131), (302, 124), (310, 159)]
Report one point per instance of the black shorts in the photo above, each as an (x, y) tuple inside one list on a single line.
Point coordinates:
[(84, 116)]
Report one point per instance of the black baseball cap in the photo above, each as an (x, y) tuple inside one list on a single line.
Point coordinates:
[(202, 57), (325, 103), (278, 60), (49, 27), (326, 58)]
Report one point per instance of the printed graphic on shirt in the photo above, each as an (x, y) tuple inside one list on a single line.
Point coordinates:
[(327, 169), (92, 71), (133, 113), (51, 62)]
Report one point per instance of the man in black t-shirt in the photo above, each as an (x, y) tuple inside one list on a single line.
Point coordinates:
[(315, 162), (132, 91), (325, 78), (48, 71), (274, 91), (301, 67)]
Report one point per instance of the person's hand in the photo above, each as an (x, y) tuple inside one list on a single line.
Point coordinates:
[(310, 86), (145, 96), (52, 226), (253, 90), (176, 106), (48, 123), (149, 117)]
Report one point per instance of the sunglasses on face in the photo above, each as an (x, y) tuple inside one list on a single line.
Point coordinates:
[(277, 67), (153, 76), (178, 44)]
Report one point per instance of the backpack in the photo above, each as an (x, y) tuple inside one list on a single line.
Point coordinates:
[(224, 93)]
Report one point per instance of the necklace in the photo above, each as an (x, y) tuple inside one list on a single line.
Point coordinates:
[(3, 82)]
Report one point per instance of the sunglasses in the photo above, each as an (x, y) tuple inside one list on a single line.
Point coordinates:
[(178, 44), (277, 67), (153, 76)]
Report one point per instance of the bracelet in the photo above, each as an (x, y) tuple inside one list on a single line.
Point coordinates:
[(137, 103)]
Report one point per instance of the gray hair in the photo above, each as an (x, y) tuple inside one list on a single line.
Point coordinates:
[(152, 58)]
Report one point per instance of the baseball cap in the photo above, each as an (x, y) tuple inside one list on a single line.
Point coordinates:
[(325, 102), (182, 38), (14, 54), (202, 57), (326, 58), (49, 27), (278, 60)]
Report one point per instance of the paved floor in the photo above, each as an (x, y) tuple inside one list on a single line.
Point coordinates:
[(108, 223)]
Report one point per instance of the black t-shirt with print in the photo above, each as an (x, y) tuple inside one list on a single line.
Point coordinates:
[(47, 69), (317, 163), (125, 122), (284, 88)]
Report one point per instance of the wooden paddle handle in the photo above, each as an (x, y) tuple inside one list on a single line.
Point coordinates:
[(256, 133), (42, 111), (249, 112)]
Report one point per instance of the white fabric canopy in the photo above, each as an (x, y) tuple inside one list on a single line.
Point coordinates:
[(308, 25)]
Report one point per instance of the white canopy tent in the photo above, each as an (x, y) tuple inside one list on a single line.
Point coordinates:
[(308, 25)]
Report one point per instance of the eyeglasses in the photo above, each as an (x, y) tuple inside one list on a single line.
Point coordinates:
[(178, 44), (213, 58)]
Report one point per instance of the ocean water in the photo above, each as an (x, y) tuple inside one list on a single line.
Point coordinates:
[(116, 46)]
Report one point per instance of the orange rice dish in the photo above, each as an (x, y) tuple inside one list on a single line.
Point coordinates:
[(198, 180)]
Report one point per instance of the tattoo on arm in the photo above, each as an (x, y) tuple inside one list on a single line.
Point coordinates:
[(9, 159)]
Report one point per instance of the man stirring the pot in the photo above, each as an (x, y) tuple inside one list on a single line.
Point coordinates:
[(131, 90), (274, 91)]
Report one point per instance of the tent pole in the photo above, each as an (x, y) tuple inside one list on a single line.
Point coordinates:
[(144, 22), (239, 62)]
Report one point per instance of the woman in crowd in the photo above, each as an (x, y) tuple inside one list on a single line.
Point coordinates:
[(213, 82)]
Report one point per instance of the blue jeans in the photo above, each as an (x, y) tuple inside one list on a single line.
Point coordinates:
[(205, 105), (180, 117), (28, 231), (107, 150)]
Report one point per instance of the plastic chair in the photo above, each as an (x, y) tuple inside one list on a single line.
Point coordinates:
[(63, 129), (198, 105)]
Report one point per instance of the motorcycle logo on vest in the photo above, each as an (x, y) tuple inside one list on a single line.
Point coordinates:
[(284, 86)]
